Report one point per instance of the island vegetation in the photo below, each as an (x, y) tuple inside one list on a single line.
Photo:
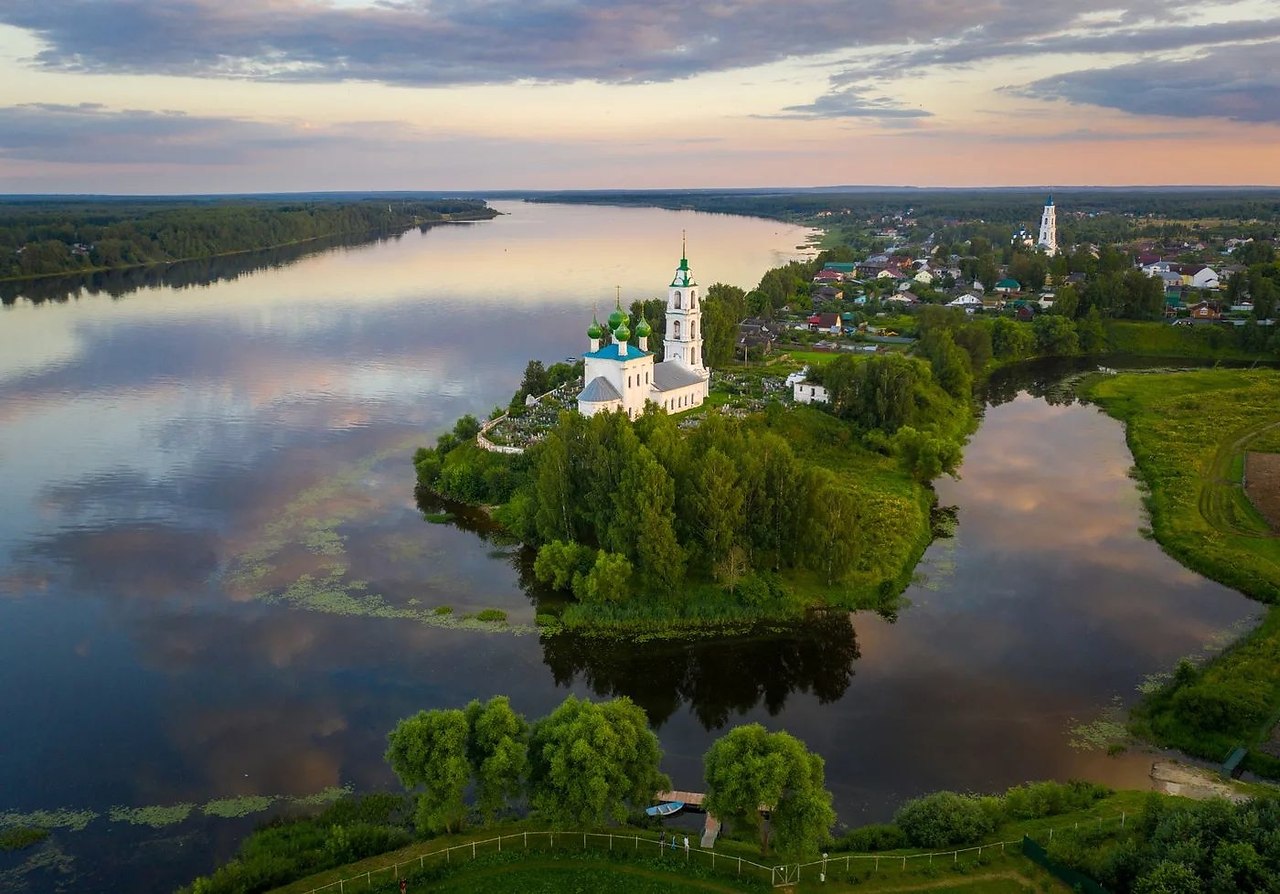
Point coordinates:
[(51, 238), (1189, 433)]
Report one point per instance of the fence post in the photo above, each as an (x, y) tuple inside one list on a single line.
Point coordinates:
[(904, 862), (1051, 835), (584, 841), (422, 858), (610, 841), (637, 842), (739, 866), (499, 844), (526, 840), (342, 885), (955, 857), (877, 864), (1121, 819), (473, 850)]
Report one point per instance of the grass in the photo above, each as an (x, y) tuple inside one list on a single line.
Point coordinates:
[(1188, 432), (599, 864)]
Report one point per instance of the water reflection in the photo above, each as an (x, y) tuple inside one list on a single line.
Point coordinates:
[(718, 679)]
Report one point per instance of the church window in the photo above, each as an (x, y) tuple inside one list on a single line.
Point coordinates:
[(693, 328), (677, 327), (677, 300), (693, 299)]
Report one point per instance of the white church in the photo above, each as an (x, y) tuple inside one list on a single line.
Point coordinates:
[(623, 376)]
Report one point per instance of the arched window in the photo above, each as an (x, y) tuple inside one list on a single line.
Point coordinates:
[(693, 299), (676, 327), (677, 300), (693, 329)]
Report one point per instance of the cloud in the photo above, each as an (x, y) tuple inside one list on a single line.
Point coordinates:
[(440, 42), (850, 103), (1238, 83), (91, 134)]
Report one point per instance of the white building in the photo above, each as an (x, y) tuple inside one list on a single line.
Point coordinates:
[(1049, 229), (623, 376), (971, 302), (810, 393)]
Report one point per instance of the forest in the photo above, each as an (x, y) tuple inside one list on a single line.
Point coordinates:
[(47, 238)]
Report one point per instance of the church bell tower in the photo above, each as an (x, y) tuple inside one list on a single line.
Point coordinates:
[(683, 338), (1049, 229)]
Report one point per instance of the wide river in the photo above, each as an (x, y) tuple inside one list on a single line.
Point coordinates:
[(159, 445)]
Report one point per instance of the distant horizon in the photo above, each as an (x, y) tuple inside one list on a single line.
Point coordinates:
[(774, 190)]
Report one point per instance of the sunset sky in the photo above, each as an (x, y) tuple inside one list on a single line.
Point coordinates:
[(161, 96)]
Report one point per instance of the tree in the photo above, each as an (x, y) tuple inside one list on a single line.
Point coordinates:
[(535, 382), (925, 456), (429, 751), (497, 750), (750, 768), (609, 579), (1066, 302), (1265, 294), (558, 562), (1092, 336), (1055, 335), (950, 364), (1011, 340), (588, 762), (717, 503)]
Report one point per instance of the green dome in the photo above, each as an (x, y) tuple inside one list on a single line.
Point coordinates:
[(594, 331), (617, 318), (622, 333), (643, 330)]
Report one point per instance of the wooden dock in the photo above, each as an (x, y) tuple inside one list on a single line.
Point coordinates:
[(694, 801)]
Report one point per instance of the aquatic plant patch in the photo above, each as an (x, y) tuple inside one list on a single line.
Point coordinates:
[(157, 817)]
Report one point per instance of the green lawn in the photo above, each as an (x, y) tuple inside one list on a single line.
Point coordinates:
[(1188, 432)]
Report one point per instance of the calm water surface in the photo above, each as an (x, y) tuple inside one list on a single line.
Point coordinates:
[(170, 456)]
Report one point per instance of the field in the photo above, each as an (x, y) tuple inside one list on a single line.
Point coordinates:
[(1189, 433)]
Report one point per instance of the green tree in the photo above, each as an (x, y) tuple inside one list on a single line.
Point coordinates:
[(716, 501), (536, 381), (950, 364), (925, 456), (589, 762), (1011, 340), (609, 579), (750, 768), (429, 751), (1264, 294), (558, 562), (1055, 336), (1066, 302), (1091, 334), (497, 750)]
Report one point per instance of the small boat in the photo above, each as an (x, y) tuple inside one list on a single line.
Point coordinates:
[(666, 809)]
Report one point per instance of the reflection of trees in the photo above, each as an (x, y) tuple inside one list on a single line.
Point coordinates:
[(180, 275), (718, 678)]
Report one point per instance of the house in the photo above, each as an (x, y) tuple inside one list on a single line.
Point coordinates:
[(1156, 268), (826, 276), (1008, 285), (1198, 276), (1077, 279), (810, 393), (827, 293), (839, 266), (1170, 279), (972, 302), (1205, 310), (754, 332), (903, 298), (923, 276), (825, 323), (1147, 258)]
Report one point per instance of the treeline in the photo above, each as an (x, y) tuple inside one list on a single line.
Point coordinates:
[(46, 239), (930, 206)]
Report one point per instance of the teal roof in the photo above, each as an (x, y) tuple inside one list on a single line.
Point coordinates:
[(1008, 284), (610, 352), (838, 265)]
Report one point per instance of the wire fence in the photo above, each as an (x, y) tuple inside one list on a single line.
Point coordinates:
[(842, 867)]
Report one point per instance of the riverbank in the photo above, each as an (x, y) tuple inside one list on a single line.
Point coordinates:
[(1188, 433), (118, 236)]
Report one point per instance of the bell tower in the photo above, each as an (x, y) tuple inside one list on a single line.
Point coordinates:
[(1049, 229), (682, 342)]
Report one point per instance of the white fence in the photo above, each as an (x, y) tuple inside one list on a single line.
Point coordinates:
[(786, 874)]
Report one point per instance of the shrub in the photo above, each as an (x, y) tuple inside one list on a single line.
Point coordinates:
[(1039, 799), (943, 819), (492, 615), (876, 837)]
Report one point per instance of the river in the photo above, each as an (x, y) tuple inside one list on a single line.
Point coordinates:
[(160, 444)]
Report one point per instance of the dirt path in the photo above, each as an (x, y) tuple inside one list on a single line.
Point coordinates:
[(1174, 778)]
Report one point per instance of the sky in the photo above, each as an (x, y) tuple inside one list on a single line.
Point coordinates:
[(207, 96)]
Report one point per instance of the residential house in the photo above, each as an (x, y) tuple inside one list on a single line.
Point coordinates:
[(968, 302), (1205, 310), (755, 332), (924, 276), (829, 322), (827, 275), (1008, 285)]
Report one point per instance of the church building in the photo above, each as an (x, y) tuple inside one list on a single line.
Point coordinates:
[(622, 375)]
